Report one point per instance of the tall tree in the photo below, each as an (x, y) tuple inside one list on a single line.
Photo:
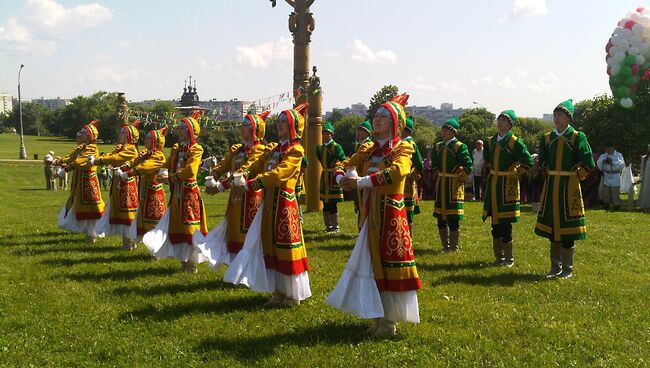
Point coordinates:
[(386, 93)]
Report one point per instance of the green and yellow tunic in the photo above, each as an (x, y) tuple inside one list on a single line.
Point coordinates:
[(507, 158), (411, 198), (567, 159), (328, 155), (454, 163)]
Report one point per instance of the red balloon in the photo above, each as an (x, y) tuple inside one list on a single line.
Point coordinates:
[(629, 24), (640, 9), (646, 75), (633, 90), (635, 69), (609, 70), (609, 46)]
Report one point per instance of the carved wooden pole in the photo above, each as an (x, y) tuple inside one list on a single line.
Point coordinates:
[(301, 25)]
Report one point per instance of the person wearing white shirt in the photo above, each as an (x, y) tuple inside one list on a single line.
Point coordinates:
[(611, 163), (477, 156)]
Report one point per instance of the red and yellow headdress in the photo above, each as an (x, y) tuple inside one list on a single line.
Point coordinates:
[(91, 130), (258, 124), (192, 125), (397, 113), (158, 138), (296, 120), (131, 131)]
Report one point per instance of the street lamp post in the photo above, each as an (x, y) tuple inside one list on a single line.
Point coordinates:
[(486, 123), (23, 151)]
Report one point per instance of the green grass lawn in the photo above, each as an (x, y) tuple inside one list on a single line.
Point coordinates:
[(67, 303)]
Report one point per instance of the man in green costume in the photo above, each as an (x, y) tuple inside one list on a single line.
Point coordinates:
[(454, 163), (566, 158), (508, 158), (329, 153)]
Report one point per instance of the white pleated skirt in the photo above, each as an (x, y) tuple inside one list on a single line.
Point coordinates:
[(157, 241), (105, 227), (356, 292), (248, 268), (68, 221), (214, 246)]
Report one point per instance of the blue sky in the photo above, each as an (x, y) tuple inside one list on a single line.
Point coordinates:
[(522, 54)]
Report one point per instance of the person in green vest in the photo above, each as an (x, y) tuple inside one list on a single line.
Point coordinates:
[(566, 158), (329, 153), (454, 163), (363, 138), (411, 198), (507, 157)]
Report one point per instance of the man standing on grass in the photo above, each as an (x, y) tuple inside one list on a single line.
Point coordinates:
[(453, 161), (611, 163), (508, 158), (329, 153), (565, 157), (49, 171)]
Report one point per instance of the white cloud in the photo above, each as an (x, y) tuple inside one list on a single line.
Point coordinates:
[(110, 73), (420, 85), (363, 53), (45, 22), (208, 66), (124, 43), (266, 54), (519, 80), (528, 9)]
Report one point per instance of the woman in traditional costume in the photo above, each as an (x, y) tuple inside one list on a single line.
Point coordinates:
[(380, 279), (222, 243), (146, 167), (123, 202), (273, 257), (84, 206), (172, 237)]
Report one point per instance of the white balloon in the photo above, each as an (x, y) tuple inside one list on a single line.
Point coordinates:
[(635, 40), (619, 56), (633, 51), (640, 59), (616, 68), (626, 33), (610, 61), (621, 22), (643, 48), (624, 45), (627, 103), (637, 29), (614, 50)]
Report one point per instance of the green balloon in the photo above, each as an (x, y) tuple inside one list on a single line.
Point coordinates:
[(616, 80), (623, 92), (630, 60), (629, 81), (626, 71)]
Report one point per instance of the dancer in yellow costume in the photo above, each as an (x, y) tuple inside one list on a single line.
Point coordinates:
[(172, 238), (123, 202), (84, 206), (274, 258), (222, 243), (147, 166), (380, 280)]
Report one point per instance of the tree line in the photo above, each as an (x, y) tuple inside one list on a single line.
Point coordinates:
[(601, 118)]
